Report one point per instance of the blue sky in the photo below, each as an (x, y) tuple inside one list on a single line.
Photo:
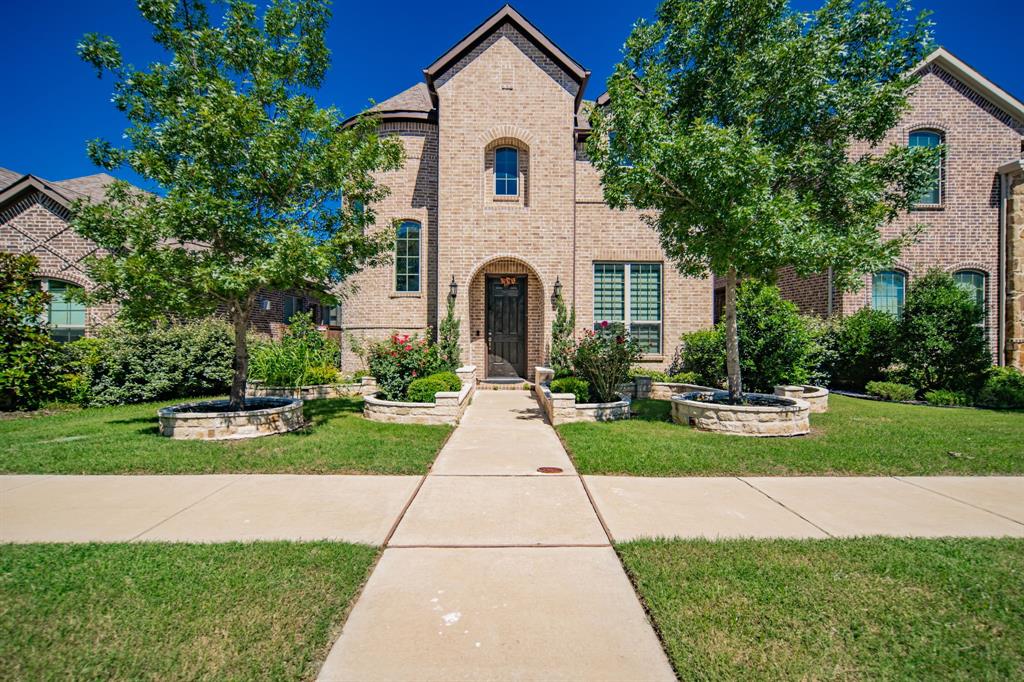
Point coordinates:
[(53, 102)]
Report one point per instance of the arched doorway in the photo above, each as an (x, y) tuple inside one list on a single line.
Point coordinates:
[(506, 319)]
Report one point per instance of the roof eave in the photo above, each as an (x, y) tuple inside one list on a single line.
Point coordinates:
[(30, 182), (992, 93)]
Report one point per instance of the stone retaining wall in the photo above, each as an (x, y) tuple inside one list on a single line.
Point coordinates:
[(281, 415), (816, 396), (561, 408), (366, 386), (743, 420), (447, 407)]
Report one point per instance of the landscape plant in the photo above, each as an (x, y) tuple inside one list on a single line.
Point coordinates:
[(1004, 388), (422, 390), (603, 359), (702, 353), (395, 362), (940, 397), (578, 387), (860, 348), (563, 342), (247, 166), (448, 336), (891, 390), (304, 356), (737, 125), (30, 361), (941, 342)]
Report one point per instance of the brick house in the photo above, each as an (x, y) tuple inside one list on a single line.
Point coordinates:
[(34, 217), (498, 203), (973, 215)]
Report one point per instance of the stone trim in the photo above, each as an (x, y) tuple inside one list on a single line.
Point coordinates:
[(366, 386), (743, 420), (447, 408), (562, 408), (815, 396), (284, 414)]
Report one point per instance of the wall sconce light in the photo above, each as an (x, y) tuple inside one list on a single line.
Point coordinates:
[(453, 290), (556, 292)]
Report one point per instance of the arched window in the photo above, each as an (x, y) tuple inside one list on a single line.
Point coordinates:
[(973, 282), (65, 317), (888, 289), (407, 257), (930, 138), (506, 171)]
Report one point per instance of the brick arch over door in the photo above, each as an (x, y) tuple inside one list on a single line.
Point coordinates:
[(536, 312)]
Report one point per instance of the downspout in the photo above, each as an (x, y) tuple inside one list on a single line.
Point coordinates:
[(831, 293)]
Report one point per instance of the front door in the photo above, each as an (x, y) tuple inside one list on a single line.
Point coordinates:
[(506, 326)]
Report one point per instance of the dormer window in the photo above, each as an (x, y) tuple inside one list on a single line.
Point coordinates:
[(506, 172)]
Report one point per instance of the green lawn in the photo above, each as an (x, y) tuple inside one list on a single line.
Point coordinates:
[(853, 437), (835, 609), (124, 440), (168, 611)]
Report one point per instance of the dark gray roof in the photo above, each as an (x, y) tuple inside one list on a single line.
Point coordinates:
[(7, 177), (93, 187), (416, 98)]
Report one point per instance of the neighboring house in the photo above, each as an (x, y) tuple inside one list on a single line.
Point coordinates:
[(498, 204), (34, 217), (973, 214)]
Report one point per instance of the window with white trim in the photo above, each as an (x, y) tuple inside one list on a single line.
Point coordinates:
[(888, 289), (506, 171), (65, 317), (930, 138), (407, 258), (630, 294), (973, 282)]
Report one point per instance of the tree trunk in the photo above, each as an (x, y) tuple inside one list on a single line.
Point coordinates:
[(732, 339), (240, 318)]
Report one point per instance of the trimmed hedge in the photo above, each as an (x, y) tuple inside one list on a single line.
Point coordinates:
[(422, 390), (1004, 387), (578, 387), (890, 390)]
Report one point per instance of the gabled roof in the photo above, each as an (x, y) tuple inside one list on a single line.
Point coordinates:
[(995, 95), (7, 177), (64, 192), (508, 15)]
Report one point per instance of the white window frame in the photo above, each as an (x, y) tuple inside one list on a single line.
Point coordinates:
[(44, 285), (395, 291), (518, 175), (627, 304)]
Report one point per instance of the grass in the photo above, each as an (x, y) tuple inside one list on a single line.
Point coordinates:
[(168, 611), (868, 608), (854, 437), (124, 440)]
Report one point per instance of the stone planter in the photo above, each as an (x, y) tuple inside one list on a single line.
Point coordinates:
[(817, 396), (447, 407), (208, 421), (366, 386), (562, 408), (791, 418)]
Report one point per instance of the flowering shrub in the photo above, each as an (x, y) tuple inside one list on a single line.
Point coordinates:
[(398, 360), (604, 358)]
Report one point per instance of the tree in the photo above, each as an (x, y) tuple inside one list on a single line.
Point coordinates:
[(251, 169), (563, 345), (736, 124), (30, 361), (448, 337), (941, 342)]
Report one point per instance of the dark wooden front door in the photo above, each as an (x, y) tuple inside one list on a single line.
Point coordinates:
[(506, 325)]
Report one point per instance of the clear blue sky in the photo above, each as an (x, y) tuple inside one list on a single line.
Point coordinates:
[(52, 102)]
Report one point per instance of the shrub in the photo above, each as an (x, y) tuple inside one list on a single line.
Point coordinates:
[(422, 390), (562, 342), (890, 390), (448, 337), (82, 356), (133, 365), (652, 374), (451, 380), (859, 348), (578, 387), (941, 341), (1004, 387), (943, 398), (603, 359), (30, 361), (303, 357), (703, 355), (684, 378), (400, 359)]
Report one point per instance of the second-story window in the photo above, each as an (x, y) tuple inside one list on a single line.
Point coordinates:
[(930, 138), (506, 171), (407, 258)]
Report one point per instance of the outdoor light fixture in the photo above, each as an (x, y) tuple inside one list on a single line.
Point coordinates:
[(557, 292), (453, 289)]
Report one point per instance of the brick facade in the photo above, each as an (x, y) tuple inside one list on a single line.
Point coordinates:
[(963, 231)]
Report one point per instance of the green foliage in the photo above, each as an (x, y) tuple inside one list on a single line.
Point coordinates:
[(1004, 387), (400, 359), (422, 390), (890, 390), (860, 348), (663, 377), (940, 397), (738, 119), (30, 361), (132, 365), (448, 337), (703, 355), (578, 387), (451, 381), (941, 340), (604, 358), (563, 344), (303, 357), (249, 167)]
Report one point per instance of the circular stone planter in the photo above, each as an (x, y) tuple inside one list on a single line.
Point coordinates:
[(208, 420), (787, 417), (816, 396)]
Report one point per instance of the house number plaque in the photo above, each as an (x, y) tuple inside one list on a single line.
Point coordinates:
[(508, 281)]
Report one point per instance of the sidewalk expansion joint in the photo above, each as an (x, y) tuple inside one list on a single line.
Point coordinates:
[(189, 506), (789, 509), (957, 499), (503, 546)]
